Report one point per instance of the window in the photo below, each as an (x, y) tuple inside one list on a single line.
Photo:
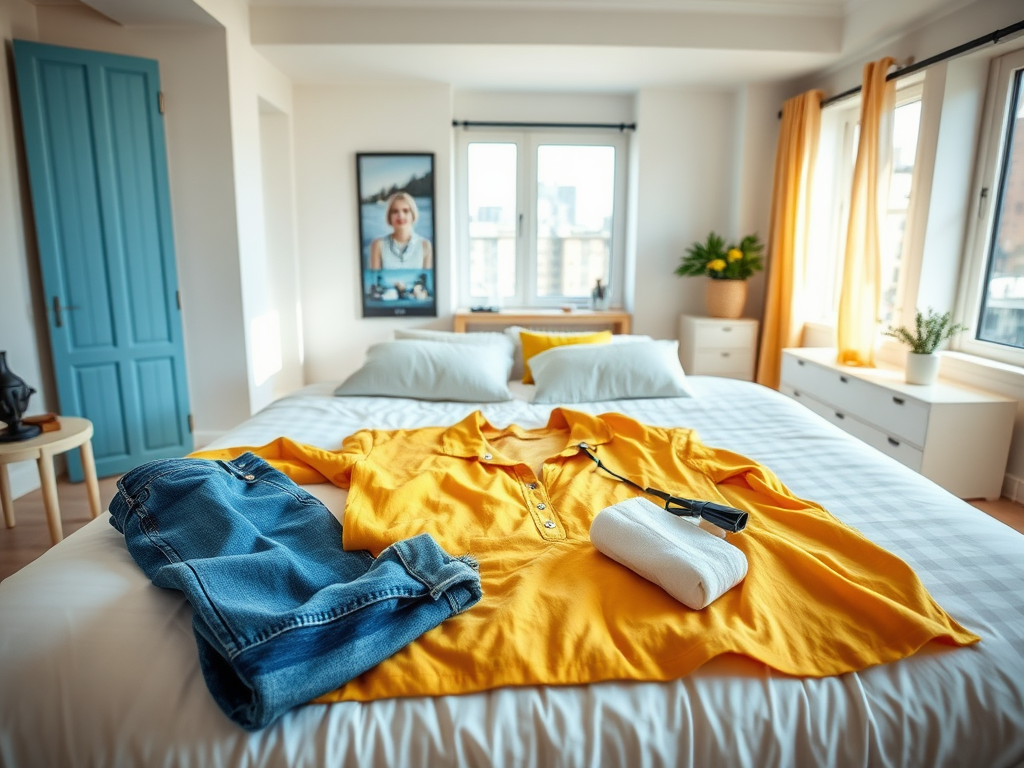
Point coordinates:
[(540, 217), (833, 179), (906, 122), (993, 304)]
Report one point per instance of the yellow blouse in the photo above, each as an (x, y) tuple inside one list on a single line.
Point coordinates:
[(819, 598)]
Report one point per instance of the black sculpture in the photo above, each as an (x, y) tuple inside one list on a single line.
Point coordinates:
[(14, 395)]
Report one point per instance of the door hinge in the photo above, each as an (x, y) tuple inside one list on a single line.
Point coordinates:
[(191, 424), (160, 101), (177, 295)]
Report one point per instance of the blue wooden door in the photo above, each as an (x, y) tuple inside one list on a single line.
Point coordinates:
[(97, 163)]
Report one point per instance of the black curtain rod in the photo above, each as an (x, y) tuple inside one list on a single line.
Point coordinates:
[(606, 126), (992, 37)]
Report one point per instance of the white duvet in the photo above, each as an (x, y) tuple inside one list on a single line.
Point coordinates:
[(99, 668)]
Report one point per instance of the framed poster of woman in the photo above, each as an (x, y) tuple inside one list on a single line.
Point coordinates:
[(396, 233)]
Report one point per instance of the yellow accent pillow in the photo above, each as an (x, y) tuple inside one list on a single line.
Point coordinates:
[(535, 343)]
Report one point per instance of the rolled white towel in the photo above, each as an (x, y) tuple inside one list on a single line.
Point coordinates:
[(692, 565)]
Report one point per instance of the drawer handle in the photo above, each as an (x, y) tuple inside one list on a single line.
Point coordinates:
[(800, 362), (725, 354), (840, 415), (898, 400), (894, 442), (726, 328), (843, 379)]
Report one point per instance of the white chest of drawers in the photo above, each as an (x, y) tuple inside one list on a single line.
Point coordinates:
[(958, 437), (715, 347)]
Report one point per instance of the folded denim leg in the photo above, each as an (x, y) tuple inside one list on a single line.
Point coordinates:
[(281, 613)]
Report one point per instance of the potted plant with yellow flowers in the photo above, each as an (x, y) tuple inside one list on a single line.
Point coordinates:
[(727, 267)]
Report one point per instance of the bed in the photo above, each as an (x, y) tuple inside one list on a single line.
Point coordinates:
[(99, 667)]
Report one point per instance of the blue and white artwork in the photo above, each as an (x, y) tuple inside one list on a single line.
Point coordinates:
[(396, 233)]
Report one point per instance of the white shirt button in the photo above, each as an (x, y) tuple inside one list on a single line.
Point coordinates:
[(542, 506), (549, 524), (250, 477), (487, 457)]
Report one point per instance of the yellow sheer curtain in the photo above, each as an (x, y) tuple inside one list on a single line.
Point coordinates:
[(856, 331), (787, 231)]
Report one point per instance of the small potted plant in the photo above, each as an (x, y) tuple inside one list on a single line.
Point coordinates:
[(930, 331), (728, 267)]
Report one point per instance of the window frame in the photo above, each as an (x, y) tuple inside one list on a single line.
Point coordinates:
[(912, 229), (527, 143), (982, 211), (843, 119), (830, 237)]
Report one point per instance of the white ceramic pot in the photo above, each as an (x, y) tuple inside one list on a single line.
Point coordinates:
[(922, 369)]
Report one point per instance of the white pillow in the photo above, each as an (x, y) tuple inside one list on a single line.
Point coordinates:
[(512, 332), (584, 373), (432, 370), (426, 334)]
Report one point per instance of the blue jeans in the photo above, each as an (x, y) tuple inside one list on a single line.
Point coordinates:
[(281, 613)]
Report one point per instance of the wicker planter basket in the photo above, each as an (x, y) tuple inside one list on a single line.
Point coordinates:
[(725, 298)]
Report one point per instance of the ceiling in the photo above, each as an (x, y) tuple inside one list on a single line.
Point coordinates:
[(553, 45), (538, 68)]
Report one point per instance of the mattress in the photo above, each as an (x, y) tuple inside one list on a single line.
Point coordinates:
[(99, 667)]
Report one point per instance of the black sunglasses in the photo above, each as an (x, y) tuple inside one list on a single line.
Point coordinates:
[(727, 518)]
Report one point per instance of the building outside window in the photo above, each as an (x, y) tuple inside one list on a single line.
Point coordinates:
[(540, 217), (1001, 319), (993, 304)]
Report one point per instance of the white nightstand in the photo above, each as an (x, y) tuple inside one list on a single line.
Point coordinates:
[(956, 436), (715, 347)]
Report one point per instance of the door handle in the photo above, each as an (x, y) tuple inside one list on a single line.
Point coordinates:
[(57, 310)]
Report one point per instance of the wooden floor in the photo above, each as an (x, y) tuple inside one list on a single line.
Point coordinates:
[(30, 538)]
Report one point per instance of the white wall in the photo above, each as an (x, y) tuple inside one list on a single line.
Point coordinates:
[(757, 120), (251, 78), (686, 156), (685, 150), (282, 250), (22, 322), (332, 123), (193, 74)]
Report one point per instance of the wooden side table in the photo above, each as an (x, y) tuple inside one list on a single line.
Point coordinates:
[(620, 322), (73, 433)]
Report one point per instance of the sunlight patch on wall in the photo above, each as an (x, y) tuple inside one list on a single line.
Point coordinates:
[(265, 333)]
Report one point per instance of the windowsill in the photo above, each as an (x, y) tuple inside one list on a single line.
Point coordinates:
[(955, 365), (956, 362)]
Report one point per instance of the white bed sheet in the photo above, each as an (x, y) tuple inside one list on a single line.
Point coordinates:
[(99, 667)]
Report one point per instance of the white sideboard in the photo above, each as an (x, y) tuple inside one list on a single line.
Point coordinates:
[(712, 346), (956, 436)]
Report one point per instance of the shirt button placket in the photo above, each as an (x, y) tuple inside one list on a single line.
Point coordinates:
[(546, 516), (536, 499)]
